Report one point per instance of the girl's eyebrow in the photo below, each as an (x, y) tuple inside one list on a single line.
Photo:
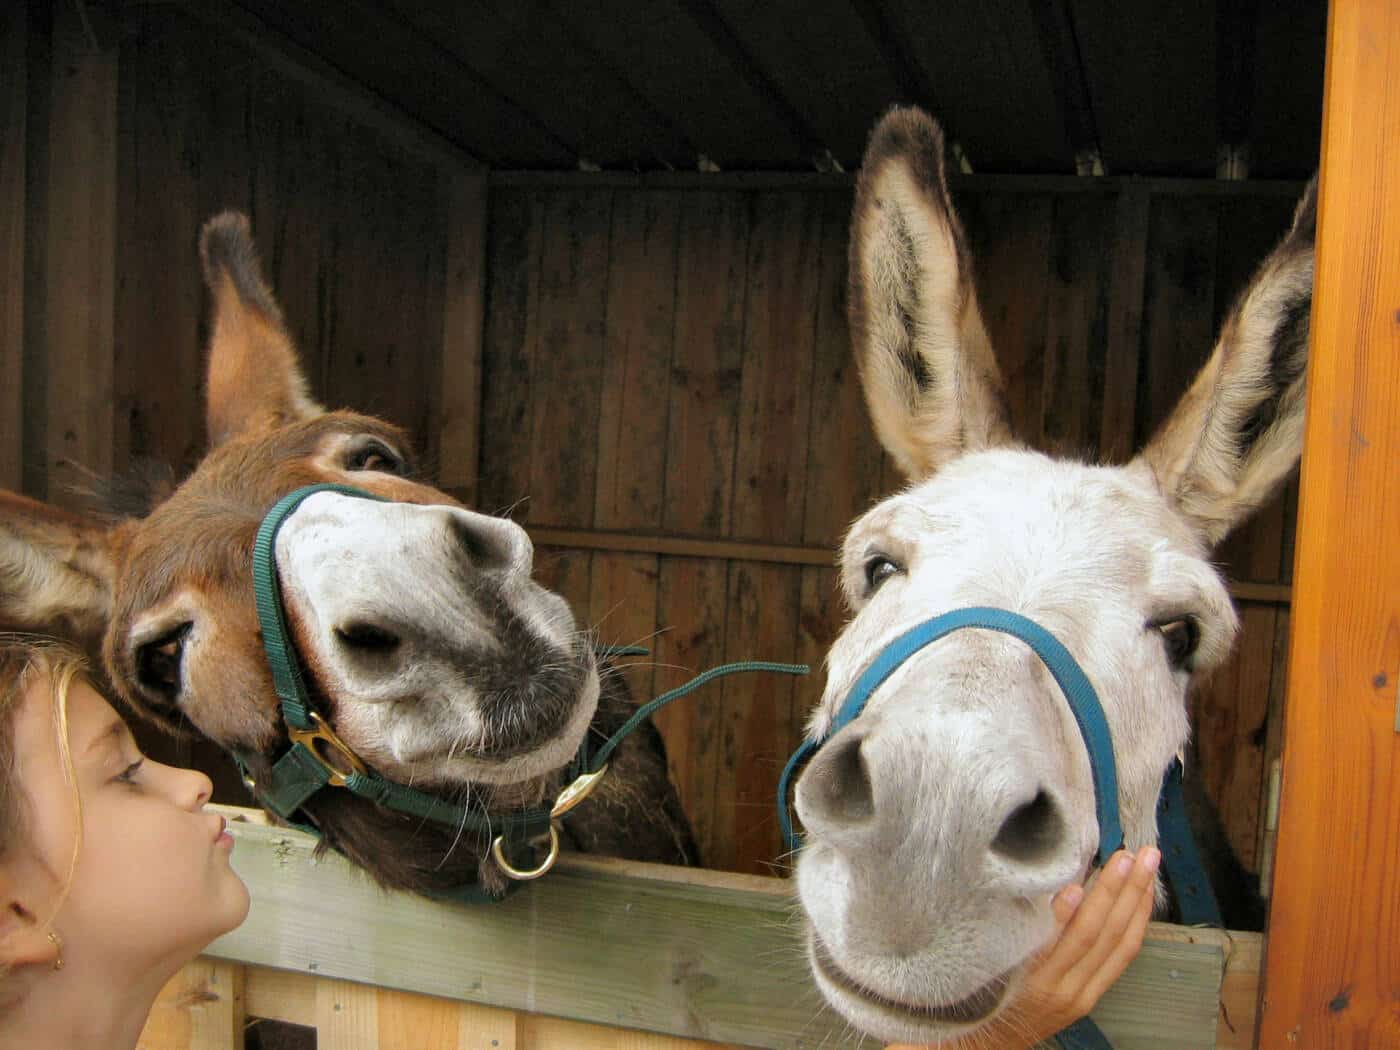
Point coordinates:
[(110, 732)]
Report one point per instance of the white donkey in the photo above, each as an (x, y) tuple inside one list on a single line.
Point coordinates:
[(942, 820)]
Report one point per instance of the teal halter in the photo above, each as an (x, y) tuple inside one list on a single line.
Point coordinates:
[(318, 758), (1181, 861)]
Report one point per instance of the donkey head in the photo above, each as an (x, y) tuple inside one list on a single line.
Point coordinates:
[(425, 642), (943, 819)]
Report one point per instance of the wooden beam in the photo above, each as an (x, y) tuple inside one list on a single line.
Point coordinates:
[(737, 550), (746, 65), (301, 65), (818, 180), (1054, 25), (463, 316), (698, 954), (14, 102), (1332, 971)]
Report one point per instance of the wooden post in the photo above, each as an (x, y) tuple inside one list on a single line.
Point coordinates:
[(14, 101), (1332, 971)]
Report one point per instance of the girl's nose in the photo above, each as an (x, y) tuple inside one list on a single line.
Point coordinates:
[(188, 788)]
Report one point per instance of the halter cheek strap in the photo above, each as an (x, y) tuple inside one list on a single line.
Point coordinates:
[(1181, 861)]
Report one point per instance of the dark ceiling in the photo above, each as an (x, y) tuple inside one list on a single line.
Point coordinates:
[(1163, 87)]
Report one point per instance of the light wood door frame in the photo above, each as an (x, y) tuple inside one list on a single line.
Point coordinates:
[(1332, 966)]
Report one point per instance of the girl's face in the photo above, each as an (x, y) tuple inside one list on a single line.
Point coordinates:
[(152, 885)]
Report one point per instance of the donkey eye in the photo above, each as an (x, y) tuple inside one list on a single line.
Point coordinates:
[(375, 456), (1180, 638), (878, 569), (158, 663)]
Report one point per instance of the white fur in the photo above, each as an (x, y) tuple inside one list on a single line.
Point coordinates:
[(913, 904), (413, 713)]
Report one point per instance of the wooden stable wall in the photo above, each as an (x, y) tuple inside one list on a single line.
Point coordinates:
[(652, 373), (670, 406)]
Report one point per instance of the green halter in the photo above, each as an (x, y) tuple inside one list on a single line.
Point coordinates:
[(318, 758)]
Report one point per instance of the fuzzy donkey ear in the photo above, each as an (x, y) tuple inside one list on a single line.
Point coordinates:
[(56, 571), (926, 363), (254, 379), (1238, 431)]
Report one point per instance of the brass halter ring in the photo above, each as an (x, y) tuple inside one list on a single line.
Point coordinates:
[(525, 875), (322, 742)]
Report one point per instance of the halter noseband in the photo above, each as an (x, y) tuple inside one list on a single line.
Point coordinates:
[(317, 758), (1181, 861)]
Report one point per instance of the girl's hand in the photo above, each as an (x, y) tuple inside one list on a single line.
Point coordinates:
[(1099, 935)]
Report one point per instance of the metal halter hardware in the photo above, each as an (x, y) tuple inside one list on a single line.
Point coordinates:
[(317, 758), (1181, 861)]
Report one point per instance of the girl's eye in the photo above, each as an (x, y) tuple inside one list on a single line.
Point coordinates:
[(128, 775)]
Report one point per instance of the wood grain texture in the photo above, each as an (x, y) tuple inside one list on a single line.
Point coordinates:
[(569, 946), (80, 260), (456, 438), (706, 364), (641, 313), (1332, 971), (201, 1008), (14, 101)]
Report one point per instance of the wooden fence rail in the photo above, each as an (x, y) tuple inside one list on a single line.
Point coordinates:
[(601, 953)]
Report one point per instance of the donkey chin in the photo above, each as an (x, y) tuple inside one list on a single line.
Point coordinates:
[(914, 982)]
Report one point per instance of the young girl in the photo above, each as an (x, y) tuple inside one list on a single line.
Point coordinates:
[(112, 877)]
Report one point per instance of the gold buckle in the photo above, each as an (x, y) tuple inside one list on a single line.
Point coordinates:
[(525, 875), (321, 733), (576, 792)]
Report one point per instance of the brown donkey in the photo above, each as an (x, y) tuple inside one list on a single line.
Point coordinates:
[(425, 642)]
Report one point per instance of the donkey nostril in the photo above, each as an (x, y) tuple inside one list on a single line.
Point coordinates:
[(1031, 832), (367, 637), (841, 782)]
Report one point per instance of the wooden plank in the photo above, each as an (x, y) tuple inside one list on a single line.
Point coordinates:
[(347, 1016), (962, 184), (1230, 726), (1123, 326), (622, 609), (757, 718), (1178, 307), (80, 259), (464, 304), (776, 374), (691, 612), (1073, 376), (14, 101), (569, 352), (843, 460), (1331, 970), (280, 996), (693, 954), (728, 550), (512, 297), (636, 360), (706, 365), (201, 1008), (1010, 238)]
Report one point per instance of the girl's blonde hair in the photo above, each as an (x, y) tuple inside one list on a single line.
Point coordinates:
[(24, 660)]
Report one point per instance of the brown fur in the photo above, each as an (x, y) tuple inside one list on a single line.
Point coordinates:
[(102, 584)]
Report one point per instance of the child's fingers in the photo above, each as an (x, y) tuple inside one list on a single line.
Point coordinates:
[(1123, 952), (1084, 926), (1127, 895)]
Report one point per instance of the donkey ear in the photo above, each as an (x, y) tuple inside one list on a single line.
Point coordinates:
[(926, 364), (1238, 431), (56, 571), (254, 379)]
